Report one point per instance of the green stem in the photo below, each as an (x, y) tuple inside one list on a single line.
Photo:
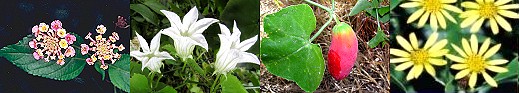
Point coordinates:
[(332, 16), (214, 83), (158, 80), (151, 75), (319, 5)]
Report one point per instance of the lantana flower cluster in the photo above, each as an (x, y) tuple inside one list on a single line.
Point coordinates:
[(52, 42), (103, 48)]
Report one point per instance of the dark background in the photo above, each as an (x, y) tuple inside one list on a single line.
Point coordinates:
[(17, 17)]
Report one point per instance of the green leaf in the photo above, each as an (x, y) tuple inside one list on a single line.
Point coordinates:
[(397, 77), (512, 71), (385, 18), (232, 84), (247, 20), (383, 10), (394, 3), (155, 6), (287, 51), (119, 73), (359, 6), (97, 66), (20, 54), (139, 84), (145, 12), (168, 89), (380, 37)]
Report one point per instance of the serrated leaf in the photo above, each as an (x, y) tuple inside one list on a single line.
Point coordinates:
[(359, 6), (145, 12), (119, 73), (139, 84), (232, 84), (20, 54), (287, 52)]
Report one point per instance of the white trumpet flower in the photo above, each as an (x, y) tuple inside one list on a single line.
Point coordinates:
[(188, 32), (232, 51), (150, 56)]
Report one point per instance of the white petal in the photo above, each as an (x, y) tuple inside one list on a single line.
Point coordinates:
[(138, 55), (143, 43), (155, 42), (245, 45), (224, 30), (173, 18), (246, 57), (184, 47), (163, 55), (154, 65), (201, 25), (199, 39), (172, 33), (189, 18)]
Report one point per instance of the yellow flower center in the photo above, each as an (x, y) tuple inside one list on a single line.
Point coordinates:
[(487, 10), (432, 5), (419, 56), (475, 63)]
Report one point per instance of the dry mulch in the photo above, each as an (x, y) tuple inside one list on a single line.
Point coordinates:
[(371, 71)]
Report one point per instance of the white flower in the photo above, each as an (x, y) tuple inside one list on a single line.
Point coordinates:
[(187, 33), (232, 51), (150, 56)]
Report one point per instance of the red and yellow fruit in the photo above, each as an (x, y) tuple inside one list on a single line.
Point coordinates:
[(343, 51)]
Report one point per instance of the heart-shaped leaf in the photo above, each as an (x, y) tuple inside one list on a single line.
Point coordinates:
[(232, 84), (119, 73), (287, 52), (139, 83), (20, 54)]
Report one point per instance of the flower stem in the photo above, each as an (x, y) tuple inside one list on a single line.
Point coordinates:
[(214, 83), (158, 80), (332, 16)]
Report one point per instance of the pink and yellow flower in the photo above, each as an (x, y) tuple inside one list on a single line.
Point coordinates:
[(103, 49), (51, 42)]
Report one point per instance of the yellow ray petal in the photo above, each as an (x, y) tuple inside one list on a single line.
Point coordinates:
[(489, 1), (473, 78), (448, 16), (452, 8), (418, 71), (431, 40), (448, 1), (459, 66), (455, 58), (503, 23), (509, 6), (423, 19), (459, 50), (496, 69), (434, 22), (497, 62), (468, 21), (492, 51), (493, 26), (438, 53), (466, 46), (501, 2), (470, 5), (469, 13), (413, 41), (438, 46), (430, 69), (411, 73), (410, 4), (484, 47), (438, 62), (477, 25), (398, 60), (441, 20), (404, 66), (398, 52), (404, 43), (415, 15), (462, 74), (480, 1), (474, 43), (489, 79), (509, 14)]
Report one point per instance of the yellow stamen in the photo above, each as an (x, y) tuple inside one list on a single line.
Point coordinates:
[(419, 56), (488, 10), (476, 63), (432, 5)]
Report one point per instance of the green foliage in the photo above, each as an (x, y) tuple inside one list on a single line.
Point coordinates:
[(20, 54), (375, 11), (287, 52), (232, 84), (120, 73)]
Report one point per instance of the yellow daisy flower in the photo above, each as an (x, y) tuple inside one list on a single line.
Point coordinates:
[(480, 10), (475, 62), (435, 9), (419, 58)]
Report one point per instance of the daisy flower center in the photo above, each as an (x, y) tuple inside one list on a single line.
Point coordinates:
[(488, 10), (432, 5), (419, 56), (475, 63)]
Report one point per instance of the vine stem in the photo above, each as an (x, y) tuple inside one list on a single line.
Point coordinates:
[(332, 16), (214, 83)]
